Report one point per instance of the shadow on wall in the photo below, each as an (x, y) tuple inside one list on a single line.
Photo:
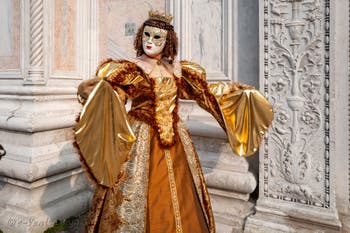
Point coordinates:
[(2, 154), (2, 151), (67, 195), (253, 162), (2, 183)]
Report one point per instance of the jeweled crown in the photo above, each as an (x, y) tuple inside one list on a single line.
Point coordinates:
[(167, 18)]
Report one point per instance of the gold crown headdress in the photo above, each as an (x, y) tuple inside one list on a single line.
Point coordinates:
[(167, 18)]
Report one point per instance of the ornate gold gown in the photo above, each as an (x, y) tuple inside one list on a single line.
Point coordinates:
[(147, 173)]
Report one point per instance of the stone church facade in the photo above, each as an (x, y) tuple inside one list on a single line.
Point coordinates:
[(295, 51)]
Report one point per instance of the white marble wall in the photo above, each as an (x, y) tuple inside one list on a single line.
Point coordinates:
[(114, 40), (207, 36), (10, 17), (7, 16), (205, 30)]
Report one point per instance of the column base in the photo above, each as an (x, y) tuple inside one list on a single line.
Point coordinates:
[(230, 210), (35, 207), (269, 221), (345, 219)]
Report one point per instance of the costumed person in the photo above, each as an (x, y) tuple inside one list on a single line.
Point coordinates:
[(146, 170)]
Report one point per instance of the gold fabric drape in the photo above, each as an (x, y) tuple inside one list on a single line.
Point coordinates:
[(103, 134), (244, 114), (247, 116)]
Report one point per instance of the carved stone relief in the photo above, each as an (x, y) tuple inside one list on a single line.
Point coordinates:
[(296, 153)]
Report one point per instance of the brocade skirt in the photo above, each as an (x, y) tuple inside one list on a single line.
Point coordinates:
[(162, 190)]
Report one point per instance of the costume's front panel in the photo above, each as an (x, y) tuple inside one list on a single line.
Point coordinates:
[(159, 193), (173, 203)]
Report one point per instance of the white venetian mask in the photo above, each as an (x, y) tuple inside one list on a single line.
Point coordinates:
[(153, 40)]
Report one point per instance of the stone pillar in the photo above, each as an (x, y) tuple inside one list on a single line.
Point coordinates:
[(42, 59), (297, 183), (341, 59)]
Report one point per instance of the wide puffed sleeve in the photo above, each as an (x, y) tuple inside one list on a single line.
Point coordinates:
[(121, 74), (245, 115), (193, 86), (103, 134)]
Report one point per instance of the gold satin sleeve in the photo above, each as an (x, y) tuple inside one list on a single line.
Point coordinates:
[(111, 69), (195, 87), (247, 116), (103, 134), (197, 71)]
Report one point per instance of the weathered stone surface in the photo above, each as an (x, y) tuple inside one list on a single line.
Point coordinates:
[(35, 206)]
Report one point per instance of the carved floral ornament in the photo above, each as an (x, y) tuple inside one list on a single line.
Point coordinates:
[(295, 69)]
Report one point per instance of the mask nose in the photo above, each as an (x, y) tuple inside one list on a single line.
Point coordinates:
[(150, 40)]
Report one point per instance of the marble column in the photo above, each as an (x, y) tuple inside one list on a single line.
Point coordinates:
[(42, 59), (298, 182)]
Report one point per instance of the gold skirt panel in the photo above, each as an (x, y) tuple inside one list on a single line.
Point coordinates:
[(133, 208), (123, 207), (164, 190), (197, 175), (168, 212)]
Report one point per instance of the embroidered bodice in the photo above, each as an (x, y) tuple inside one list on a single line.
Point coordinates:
[(154, 98), (165, 91)]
